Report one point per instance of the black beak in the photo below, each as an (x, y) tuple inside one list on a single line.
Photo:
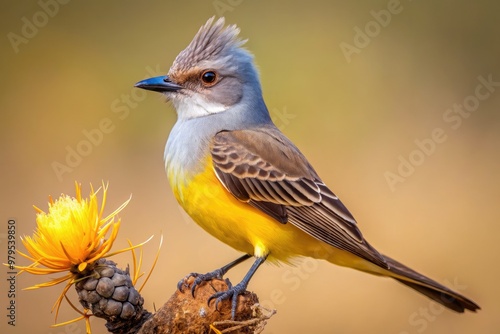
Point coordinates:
[(158, 84)]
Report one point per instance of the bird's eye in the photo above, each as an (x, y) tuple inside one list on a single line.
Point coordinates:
[(209, 78)]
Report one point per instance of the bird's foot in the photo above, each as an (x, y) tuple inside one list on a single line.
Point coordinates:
[(232, 293), (217, 273), (200, 278)]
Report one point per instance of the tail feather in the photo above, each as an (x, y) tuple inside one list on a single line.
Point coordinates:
[(429, 287)]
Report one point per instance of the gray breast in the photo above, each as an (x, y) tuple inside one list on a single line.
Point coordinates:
[(189, 141)]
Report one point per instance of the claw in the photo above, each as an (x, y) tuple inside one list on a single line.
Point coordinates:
[(183, 282), (228, 282), (232, 293), (199, 278)]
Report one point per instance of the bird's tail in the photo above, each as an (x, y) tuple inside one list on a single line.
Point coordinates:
[(427, 286)]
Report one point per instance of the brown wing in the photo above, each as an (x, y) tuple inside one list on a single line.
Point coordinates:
[(263, 168)]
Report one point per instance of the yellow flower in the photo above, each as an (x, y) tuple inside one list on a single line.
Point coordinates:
[(71, 235), (70, 238)]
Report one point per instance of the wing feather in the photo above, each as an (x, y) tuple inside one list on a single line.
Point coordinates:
[(263, 168)]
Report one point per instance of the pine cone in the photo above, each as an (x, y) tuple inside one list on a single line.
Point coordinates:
[(108, 292)]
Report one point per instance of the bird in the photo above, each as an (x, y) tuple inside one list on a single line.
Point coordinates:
[(245, 183)]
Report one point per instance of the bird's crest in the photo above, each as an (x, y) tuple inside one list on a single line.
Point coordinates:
[(211, 43)]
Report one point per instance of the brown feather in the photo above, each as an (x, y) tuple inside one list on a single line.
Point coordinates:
[(263, 168), (430, 288)]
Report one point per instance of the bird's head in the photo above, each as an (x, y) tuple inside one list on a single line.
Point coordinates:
[(212, 74)]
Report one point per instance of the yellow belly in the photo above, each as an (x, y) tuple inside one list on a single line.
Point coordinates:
[(238, 224)]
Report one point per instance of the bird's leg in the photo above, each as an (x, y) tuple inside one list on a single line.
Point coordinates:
[(217, 273), (234, 291)]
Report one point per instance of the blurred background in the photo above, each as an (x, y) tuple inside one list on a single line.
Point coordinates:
[(360, 87)]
